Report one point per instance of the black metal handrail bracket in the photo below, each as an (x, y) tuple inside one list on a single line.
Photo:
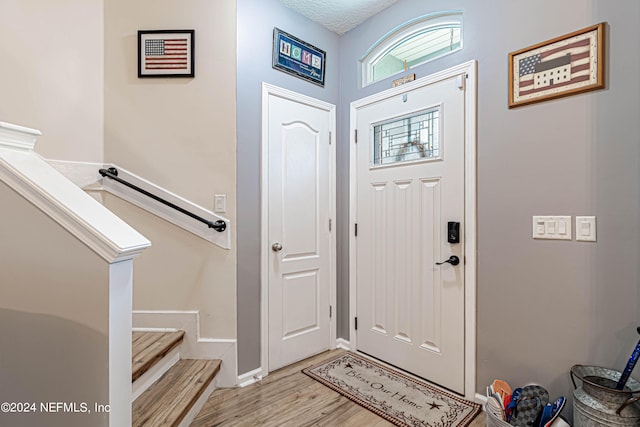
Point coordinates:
[(112, 173)]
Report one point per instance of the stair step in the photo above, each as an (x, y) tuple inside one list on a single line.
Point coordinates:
[(170, 398), (149, 348)]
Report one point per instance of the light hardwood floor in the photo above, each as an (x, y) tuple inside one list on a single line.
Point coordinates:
[(287, 397)]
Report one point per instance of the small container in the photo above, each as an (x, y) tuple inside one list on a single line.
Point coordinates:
[(597, 402)]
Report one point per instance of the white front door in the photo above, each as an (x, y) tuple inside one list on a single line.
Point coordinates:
[(410, 185), (299, 247)]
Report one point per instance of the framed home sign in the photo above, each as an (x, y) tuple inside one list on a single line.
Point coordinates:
[(563, 66), (166, 53), (296, 57)]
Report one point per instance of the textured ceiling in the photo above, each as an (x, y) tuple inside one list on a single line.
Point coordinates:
[(338, 16)]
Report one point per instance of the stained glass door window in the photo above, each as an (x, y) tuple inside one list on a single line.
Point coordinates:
[(407, 139)]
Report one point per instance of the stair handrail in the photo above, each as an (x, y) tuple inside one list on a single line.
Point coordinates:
[(112, 173)]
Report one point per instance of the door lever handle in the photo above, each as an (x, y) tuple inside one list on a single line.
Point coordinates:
[(453, 260)]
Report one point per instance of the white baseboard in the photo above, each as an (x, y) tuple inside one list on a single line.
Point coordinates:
[(481, 399), (343, 344), (250, 377), (256, 375), (193, 346)]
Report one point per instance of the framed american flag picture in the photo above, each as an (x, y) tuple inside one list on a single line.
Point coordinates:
[(563, 66), (166, 53)]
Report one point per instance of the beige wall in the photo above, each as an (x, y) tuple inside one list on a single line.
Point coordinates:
[(54, 317), (178, 133), (181, 272), (69, 68), (42, 262), (51, 77)]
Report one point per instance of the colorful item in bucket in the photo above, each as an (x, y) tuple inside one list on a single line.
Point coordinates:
[(513, 402), (502, 389), (494, 406), (498, 396), (630, 365), (524, 407), (551, 411)]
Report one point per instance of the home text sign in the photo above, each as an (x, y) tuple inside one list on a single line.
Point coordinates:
[(299, 58)]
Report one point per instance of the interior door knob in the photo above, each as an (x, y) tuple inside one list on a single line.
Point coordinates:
[(453, 260), (276, 247)]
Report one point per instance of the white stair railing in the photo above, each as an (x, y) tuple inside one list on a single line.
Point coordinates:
[(101, 307)]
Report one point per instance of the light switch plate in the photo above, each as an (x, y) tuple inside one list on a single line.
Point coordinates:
[(552, 227), (220, 203), (586, 228)]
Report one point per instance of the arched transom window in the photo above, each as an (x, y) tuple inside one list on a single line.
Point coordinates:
[(413, 43)]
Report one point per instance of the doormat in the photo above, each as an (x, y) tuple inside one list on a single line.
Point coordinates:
[(400, 399)]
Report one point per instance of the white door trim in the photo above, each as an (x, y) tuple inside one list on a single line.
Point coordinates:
[(470, 70), (267, 90)]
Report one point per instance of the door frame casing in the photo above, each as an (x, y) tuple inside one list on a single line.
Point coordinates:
[(468, 69), (271, 90)]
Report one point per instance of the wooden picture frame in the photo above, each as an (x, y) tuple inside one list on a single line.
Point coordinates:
[(166, 53), (563, 66)]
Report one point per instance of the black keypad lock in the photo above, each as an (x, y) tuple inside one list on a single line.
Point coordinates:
[(453, 232)]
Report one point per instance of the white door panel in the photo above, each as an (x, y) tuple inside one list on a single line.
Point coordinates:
[(410, 310), (298, 217)]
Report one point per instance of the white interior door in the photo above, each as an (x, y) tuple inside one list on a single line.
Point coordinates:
[(299, 239), (410, 184)]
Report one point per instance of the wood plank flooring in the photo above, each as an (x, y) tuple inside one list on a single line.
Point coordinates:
[(149, 347), (287, 397), (169, 399)]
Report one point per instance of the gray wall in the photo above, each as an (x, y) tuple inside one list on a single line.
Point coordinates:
[(542, 305), (256, 19)]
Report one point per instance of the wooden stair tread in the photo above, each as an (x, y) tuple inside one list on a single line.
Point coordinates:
[(169, 399), (150, 347)]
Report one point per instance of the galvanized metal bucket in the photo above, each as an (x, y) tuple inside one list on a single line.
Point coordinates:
[(596, 401)]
